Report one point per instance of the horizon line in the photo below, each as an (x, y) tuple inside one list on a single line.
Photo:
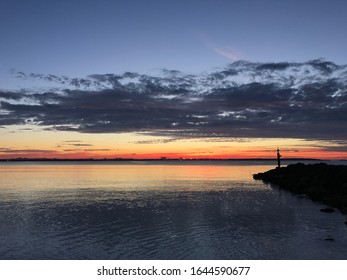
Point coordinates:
[(165, 159)]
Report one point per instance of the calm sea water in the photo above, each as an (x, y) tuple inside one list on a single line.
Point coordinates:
[(143, 210)]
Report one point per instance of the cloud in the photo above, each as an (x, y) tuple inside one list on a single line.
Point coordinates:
[(155, 141), (243, 100), (96, 150), (14, 151), (325, 67), (274, 66), (226, 53), (87, 150), (330, 145), (81, 145), (10, 95), (223, 51)]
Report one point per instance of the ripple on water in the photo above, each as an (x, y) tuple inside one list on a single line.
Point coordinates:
[(180, 219)]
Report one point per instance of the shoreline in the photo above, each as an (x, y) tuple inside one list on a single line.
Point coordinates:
[(321, 182)]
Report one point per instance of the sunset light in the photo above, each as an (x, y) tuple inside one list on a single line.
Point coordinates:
[(193, 137)]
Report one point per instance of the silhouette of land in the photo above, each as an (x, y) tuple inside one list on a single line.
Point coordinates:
[(321, 182)]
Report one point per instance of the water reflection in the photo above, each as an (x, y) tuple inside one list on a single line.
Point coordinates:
[(158, 212)]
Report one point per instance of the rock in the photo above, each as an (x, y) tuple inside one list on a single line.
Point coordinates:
[(320, 182), (327, 210), (329, 239)]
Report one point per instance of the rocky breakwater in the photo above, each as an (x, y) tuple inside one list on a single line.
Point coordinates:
[(321, 182)]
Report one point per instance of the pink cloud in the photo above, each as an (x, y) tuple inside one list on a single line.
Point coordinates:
[(226, 52)]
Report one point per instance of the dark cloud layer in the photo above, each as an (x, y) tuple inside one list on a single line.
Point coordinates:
[(294, 100)]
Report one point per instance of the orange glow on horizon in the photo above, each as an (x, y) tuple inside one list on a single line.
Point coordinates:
[(245, 154), (17, 143)]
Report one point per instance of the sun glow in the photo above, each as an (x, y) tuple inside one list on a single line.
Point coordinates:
[(31, 142)]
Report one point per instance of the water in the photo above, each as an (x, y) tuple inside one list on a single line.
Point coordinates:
[(148, 210)]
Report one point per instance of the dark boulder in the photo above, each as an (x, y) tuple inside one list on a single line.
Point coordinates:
[(329, 239), (327, 210)]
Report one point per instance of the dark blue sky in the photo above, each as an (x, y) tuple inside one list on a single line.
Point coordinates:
[(78, 38)]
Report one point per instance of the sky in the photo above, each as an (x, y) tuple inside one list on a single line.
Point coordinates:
[(189, 79)]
